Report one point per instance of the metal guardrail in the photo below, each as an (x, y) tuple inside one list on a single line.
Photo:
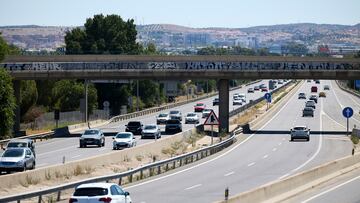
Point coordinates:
[(152, 168), (35, 137), (346, 89)]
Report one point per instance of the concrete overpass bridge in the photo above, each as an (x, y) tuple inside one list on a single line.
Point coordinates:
[(221, 68)]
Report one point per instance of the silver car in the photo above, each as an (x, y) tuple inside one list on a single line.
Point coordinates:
[(300, 132), (192, 118), (92, 137), (151, 131), (17, 159), (162, 118), (206, 113), (124, 140), (175, 114)]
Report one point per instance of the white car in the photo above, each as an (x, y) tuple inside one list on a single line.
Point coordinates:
[(192, 118), (124, 140), (151, 131), (206, 113), (162, 118), (300, 132), (242, 97), (237, 101), (100, 192)]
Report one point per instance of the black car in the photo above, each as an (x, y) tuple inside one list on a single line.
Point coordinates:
[(308, 111), (314, 98), (216, 101), (173, 125), (135, 127), (302, 95)]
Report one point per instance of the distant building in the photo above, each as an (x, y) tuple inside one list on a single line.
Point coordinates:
[(197, 39), (249, 42), (275, 49)]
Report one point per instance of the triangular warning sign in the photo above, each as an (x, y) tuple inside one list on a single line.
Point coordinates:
[(212, 119)]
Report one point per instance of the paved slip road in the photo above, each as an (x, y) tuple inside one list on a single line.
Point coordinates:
[(51, 152), (265, 156)]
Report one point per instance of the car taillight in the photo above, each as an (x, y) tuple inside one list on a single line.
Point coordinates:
[(105, 199), (71, 200)]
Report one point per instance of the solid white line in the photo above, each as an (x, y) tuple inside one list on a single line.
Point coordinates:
[(192, 187), (251, 164), (62, 149), (228, 174), (331, 189), (102, 149), (215, 158), (334, 120), (283, 139), (43, 164), (342, 106), (265, 156), (274, 149), (280, 143), (75, 156)]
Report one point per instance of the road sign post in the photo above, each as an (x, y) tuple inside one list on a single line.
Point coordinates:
[(212, 120), (267, 96), (347, 113)]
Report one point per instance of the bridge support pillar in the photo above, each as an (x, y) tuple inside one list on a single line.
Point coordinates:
[(224, 105), (16, 127)]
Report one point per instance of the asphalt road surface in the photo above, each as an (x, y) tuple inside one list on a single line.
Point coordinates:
[(266, 155)]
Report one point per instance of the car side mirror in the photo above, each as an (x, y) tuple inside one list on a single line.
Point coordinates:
[(113, 138), (126, 193)]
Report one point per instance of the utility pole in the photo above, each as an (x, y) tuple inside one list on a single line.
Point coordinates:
[(137, 95)]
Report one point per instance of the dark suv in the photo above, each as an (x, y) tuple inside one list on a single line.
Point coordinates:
[(173, 125), (135, 127)]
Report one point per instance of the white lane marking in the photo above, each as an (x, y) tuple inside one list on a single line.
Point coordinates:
[(274, 149), (331, 189), (62, 149), (334, 120), (218, 157), (317, 151), (280, 143), (102, 149), (342, 106), (229, 174), (75, 156), (265, 156), (283, 139), (192, 187), (251, 164)]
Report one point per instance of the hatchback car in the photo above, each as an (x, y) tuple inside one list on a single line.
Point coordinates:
[(310, 103), (302, 95), (250, 90), (216, 101), (236, 101), (175, 114), (264, 89), (314, 98), (308, 111), (151, 131), (15, 143), (92, 137), (256, 88), (173, 125), (100, 192), (206, 113), (300, 132), (135, 127), (322, 94), (199, 107), (17, 159), (124, 140), (162, 118), (326, 87), (192, 118)]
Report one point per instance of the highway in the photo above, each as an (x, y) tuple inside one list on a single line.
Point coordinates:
[(51, 152), (266, 155)]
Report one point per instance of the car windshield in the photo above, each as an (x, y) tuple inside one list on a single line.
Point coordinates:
[(299, 128), (13, 153), (191, 114), (150, 127), (123, 135), (163, 115), (17, 144), (134, 124), (174, 112), (199, 104), (207, 110), (94, 191), (91, 132)]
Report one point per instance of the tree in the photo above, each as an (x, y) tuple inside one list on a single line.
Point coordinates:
[(28, 96), (294, 49), (103, 35), (7, 103)]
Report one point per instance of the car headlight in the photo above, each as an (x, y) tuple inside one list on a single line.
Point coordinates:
[(20, 163)]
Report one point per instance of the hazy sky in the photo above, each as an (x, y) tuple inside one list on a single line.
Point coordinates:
[(194, 13)]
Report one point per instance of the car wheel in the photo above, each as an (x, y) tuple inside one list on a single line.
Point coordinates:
[(142, 137), (114, 148), (33, 166), (291, 139), (308, 139), (24, 168), (84, 145), (103, 144)]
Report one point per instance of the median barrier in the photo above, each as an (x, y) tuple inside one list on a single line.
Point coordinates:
[(346, 89), (281, 190)]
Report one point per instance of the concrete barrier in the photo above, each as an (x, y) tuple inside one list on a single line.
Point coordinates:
[(283, 189)]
